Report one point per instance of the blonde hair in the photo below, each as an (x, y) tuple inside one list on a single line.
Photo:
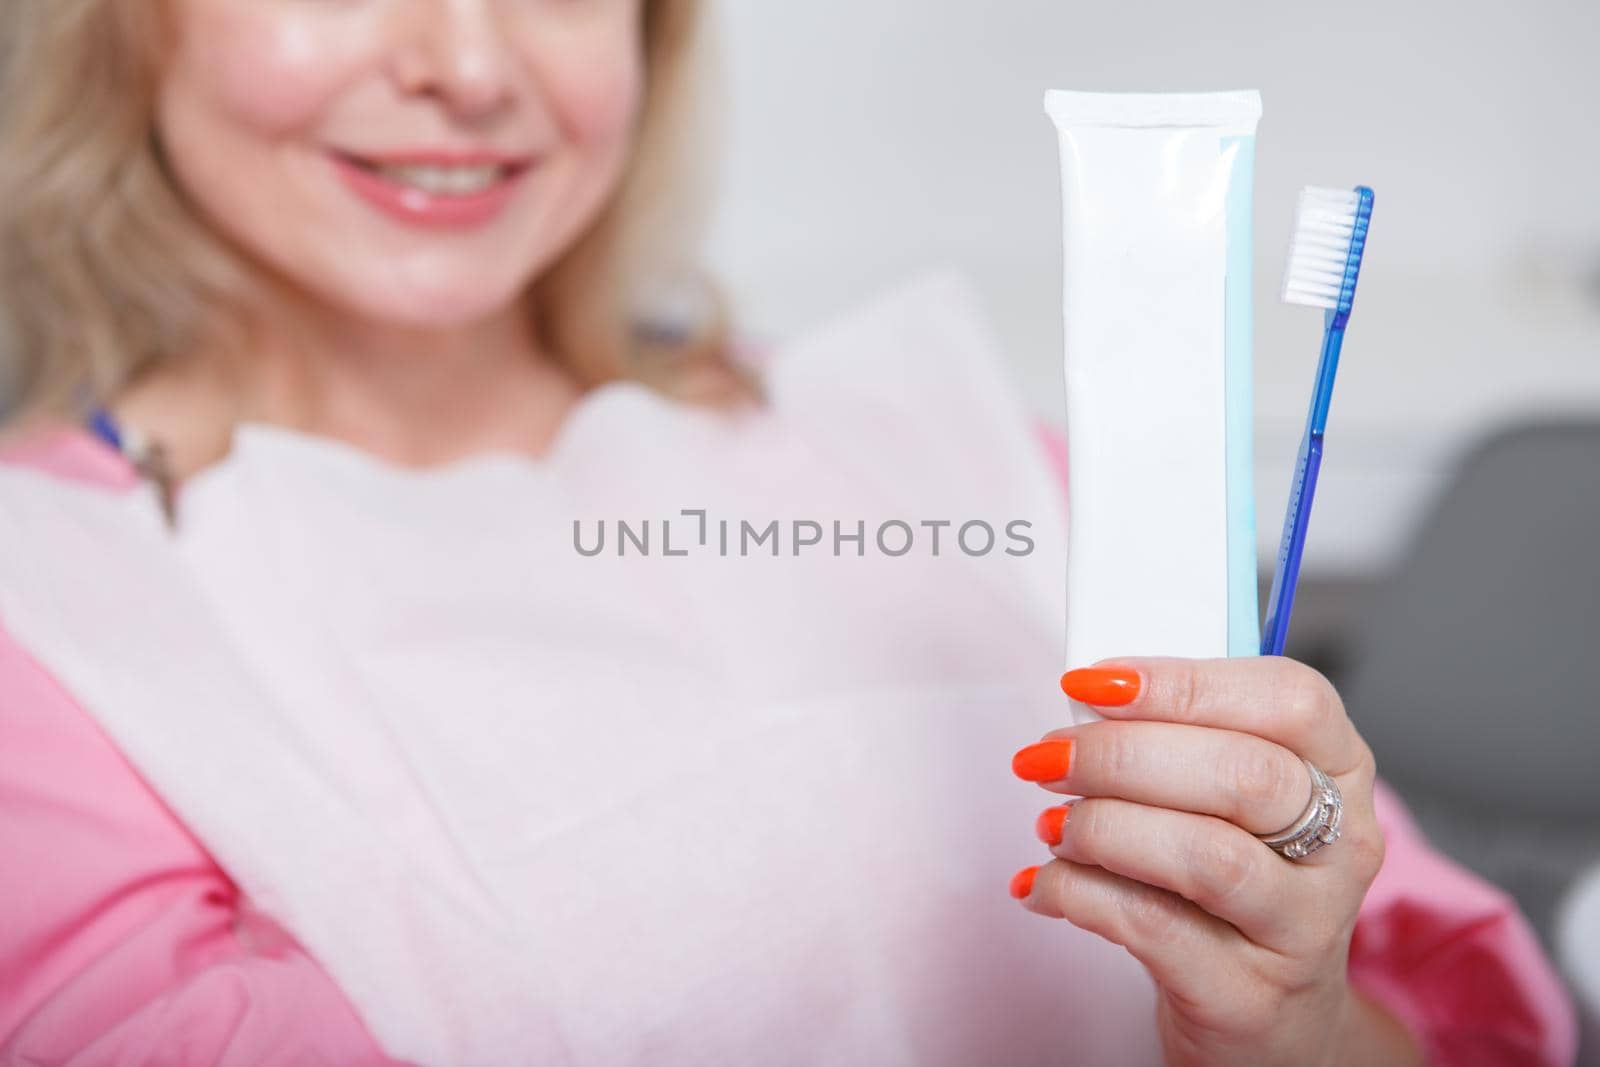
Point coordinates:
[(105, 269)]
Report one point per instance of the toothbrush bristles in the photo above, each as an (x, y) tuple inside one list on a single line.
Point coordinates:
[(1320, 250)]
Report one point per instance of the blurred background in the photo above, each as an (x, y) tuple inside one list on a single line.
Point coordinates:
[(1452, 587)]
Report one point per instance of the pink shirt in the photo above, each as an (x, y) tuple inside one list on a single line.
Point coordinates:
[(122, 940)]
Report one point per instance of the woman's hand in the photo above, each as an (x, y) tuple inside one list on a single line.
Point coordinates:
[(1195, 758)]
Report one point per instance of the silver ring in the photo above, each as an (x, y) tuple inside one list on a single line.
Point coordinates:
[(1317, 826)]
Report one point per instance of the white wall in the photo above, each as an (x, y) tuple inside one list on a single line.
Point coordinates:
[(867, 138)]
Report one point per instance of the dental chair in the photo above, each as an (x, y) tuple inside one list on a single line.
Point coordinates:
[(1474, 670)]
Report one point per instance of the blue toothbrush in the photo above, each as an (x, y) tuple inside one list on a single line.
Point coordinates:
[(1330, 235)]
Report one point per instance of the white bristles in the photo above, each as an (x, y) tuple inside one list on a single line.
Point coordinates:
[(1323, 226)]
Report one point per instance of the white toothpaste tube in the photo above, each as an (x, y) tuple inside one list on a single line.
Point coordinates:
[(1157, 193)]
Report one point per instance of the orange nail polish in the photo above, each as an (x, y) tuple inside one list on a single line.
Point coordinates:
[(1104, 687), (1022, 882), (1045, 761), (1051, 820)]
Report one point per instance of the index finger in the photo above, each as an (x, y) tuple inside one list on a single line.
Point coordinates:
[(1269, 696)]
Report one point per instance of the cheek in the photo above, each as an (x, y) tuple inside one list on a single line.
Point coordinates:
[(606, 108), (259, 67), (596, 98)]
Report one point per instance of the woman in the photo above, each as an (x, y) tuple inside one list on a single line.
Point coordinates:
[(359, 761)]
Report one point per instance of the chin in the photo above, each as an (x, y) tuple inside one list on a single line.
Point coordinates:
[(443, 304)]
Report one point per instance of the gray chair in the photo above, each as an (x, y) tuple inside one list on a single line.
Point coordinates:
[(1475, 668)]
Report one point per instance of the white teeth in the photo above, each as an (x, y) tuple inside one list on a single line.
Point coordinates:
[(444, 181)]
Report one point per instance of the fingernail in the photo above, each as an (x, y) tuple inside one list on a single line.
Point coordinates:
[(1022, 882), (1051, 820), (1045, 761), (1104, 687)]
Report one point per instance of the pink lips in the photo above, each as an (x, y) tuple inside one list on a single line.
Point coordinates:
[(421, 208)]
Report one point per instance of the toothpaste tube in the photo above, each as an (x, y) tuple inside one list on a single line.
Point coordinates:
[(1157, 192)]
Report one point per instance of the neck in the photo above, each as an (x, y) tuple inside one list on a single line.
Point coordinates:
[(416, 397)]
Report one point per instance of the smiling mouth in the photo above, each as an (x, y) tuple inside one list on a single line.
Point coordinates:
[(439, 179)]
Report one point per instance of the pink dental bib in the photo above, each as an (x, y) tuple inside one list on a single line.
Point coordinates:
[(680, 745)]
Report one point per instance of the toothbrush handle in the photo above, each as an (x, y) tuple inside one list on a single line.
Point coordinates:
[(1296, 520)]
